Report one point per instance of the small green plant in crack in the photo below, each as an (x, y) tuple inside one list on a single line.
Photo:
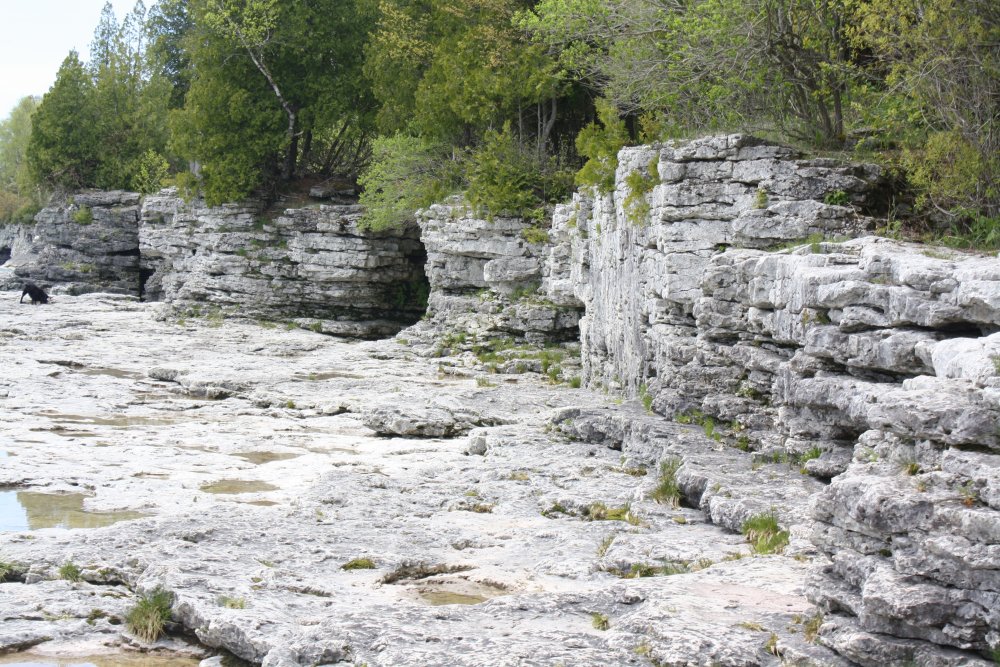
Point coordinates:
[(70, 572), (600, 512), (771, 646), (764, 534), (810, 629), (535, 235), (231, 603), (760, 199), (911, 468), (600, 621), (147, 619), (95, 615), (554, 509), (808, 455), (602, 548), (837, 198), (646, 398), (667, 490), (8, 568), (969, 493), (359, 564), (83, 216)]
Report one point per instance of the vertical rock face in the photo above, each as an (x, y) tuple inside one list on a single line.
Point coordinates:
[(871, 361), (313, 265), (492, 277), (86, 243)]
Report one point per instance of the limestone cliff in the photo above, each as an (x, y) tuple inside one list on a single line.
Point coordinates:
[(728, 281)]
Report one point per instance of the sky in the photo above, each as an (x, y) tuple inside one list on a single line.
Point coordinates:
[(36, 35)]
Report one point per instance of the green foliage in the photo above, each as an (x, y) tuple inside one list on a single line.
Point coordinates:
[(639, 185), (405, 174), (70, 572), (83, 216), (535, 235), (150, 614), (359, 564), (600, 142), (764, 534), (150, 172), (667, 490), (508, 178), (231, 602), (64, 146), (837, 198), (760, 199), (645, 398), (600, 621)]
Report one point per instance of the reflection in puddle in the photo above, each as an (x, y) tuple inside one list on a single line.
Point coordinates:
[(233, 486), (329, 375), (115, 373), (259, 458), (26, 510), (30, 659), (438, 598)]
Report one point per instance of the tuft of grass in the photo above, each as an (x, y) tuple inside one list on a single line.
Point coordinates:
[(667, 490), (752, 625), (359, 564), (70, 572), (643, 570), (602, 548), (772, 645), (760, 199), (149, 616), (232, 603), (810, 629), (600, 621), (535, 235), (764, 534), (837, 198), (8, 568), (969, 493), (517, 476), (83, 216), (575, 382), (600, 512), (646, 398)]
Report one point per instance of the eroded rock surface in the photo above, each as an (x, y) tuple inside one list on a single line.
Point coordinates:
[(257, 498)]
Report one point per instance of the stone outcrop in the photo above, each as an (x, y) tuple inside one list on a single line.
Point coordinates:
[(87, 242), (486, 277), (867, 360), (312, 265)]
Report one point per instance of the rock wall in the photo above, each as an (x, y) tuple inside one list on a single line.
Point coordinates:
[(312, 265), (869, 361), (86, 242), (491, 278)]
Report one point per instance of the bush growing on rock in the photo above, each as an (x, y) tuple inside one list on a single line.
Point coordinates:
[(147, 619)]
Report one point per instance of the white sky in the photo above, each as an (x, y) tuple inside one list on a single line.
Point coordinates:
[(36, 35)]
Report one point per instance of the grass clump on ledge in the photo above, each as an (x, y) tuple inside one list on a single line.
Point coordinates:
[(149, 616), (764, 534), (667, 491), (70, 572)]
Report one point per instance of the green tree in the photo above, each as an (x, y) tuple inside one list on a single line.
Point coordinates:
[(65, 144), (19, 195), (937, 88), (706, 64), (270, 81)]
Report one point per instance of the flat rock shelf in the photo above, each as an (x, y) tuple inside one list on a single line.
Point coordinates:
[(307, 500)]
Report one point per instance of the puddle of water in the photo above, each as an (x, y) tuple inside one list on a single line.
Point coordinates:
[(259, 503), (27, 510), (115, 373), (259, 458), (439, 598), (121, 421), (234, 486), (328, 375), (31, 659)]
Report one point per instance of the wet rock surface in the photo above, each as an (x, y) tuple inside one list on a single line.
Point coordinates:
[(252, 454)]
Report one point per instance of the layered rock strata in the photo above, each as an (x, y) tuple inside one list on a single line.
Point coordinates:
[(486, 277), (87, 242), (866, 360), (311, 265)]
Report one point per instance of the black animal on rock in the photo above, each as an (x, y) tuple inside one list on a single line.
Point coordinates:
[(36, 293)]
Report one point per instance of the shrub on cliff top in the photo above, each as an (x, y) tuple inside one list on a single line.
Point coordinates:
[(405, 174)]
